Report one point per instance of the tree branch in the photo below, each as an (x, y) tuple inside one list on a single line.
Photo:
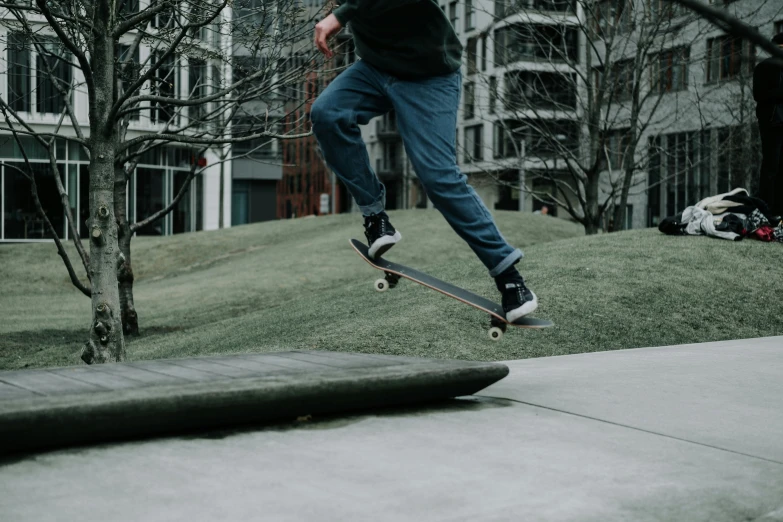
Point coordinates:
[(153, 69), (175, 138), (83, 61), (137, 19), (34, 189)]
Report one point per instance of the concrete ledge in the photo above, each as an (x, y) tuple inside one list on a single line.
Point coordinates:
[(42, 409)]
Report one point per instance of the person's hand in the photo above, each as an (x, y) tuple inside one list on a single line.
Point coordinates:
[(324, 30)]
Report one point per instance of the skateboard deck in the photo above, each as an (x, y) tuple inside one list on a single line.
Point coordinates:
[(395, 271)]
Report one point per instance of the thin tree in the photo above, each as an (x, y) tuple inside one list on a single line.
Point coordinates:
[(93, 46), (583, 116)]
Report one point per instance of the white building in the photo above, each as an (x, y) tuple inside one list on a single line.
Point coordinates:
[(703, 138), (491, 56), (159, 174), (696, 144)]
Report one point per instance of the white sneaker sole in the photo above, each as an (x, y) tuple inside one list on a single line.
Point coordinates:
[(522, 311), (385, 241)]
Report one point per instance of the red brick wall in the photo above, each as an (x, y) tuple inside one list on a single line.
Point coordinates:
[(305, 177)]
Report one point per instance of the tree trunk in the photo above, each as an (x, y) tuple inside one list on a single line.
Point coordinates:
[(106, 342), (220, 207), (628, 172), (592, 216), (629, 158), (130, 319), (591, 226)]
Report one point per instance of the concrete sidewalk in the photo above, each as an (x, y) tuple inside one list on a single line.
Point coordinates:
[(685, 433), (60, 407)]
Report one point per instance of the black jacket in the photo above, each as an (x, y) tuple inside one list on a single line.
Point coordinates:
[(768, 92), (406, 38)]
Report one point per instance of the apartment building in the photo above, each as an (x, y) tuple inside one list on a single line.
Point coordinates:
[(697, 134), (256, 165), (308, 187), (285, 178), (524, 103), (159, 174), (496, 53), (701, 136)]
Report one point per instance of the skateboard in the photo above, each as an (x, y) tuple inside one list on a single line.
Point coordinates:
[(395, 271)]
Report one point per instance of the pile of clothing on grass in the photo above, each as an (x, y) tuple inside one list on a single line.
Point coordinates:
[(734, 216)]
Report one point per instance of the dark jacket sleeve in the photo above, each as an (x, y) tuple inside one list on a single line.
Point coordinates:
[(766, 84), (350, 8)]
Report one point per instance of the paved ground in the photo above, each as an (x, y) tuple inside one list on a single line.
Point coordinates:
[(687, 433), (109, 402)]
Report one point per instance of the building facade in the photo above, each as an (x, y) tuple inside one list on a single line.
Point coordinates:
[(700, 136), (159, 173), (308, 187), (490, 128), (696, 132), (256, 165)]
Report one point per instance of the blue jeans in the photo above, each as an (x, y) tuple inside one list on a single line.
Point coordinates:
[(426, 112)]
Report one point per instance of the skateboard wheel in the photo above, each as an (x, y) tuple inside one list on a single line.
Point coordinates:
[(381, 285), (495, 333)]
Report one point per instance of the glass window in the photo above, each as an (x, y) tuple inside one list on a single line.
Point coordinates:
[(129, 70), (240, 206), (484, 52), (493, 93), (198, 88), (729, 57), (469, 101), (127, 8), (19, 81), (150, 199), (164, 84), (472, 55), (167, 17), (536, 42), (474, 147), (22, 220), (53, 77), (470, 15), (182, 213), (543, 90)]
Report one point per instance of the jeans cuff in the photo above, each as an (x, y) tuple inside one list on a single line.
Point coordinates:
[(507, 262), (377, 206)]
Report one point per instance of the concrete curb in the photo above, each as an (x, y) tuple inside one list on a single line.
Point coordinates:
[(66, 419)]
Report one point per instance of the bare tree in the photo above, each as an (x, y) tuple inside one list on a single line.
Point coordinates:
[(126, 60), (582, 116), (575, 125), (722, 149)]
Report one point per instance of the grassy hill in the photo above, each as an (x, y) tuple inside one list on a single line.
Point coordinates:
[(297, 284)]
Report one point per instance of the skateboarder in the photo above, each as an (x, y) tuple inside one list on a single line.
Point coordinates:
[(409, 62), (768, 93)]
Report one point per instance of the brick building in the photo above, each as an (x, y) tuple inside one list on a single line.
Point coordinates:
[(307, 187)]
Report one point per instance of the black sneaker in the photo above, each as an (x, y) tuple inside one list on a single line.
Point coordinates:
[(518, 300), (380, 234)]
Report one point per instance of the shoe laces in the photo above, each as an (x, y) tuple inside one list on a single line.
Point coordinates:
[(377, 221), (519, 286)]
